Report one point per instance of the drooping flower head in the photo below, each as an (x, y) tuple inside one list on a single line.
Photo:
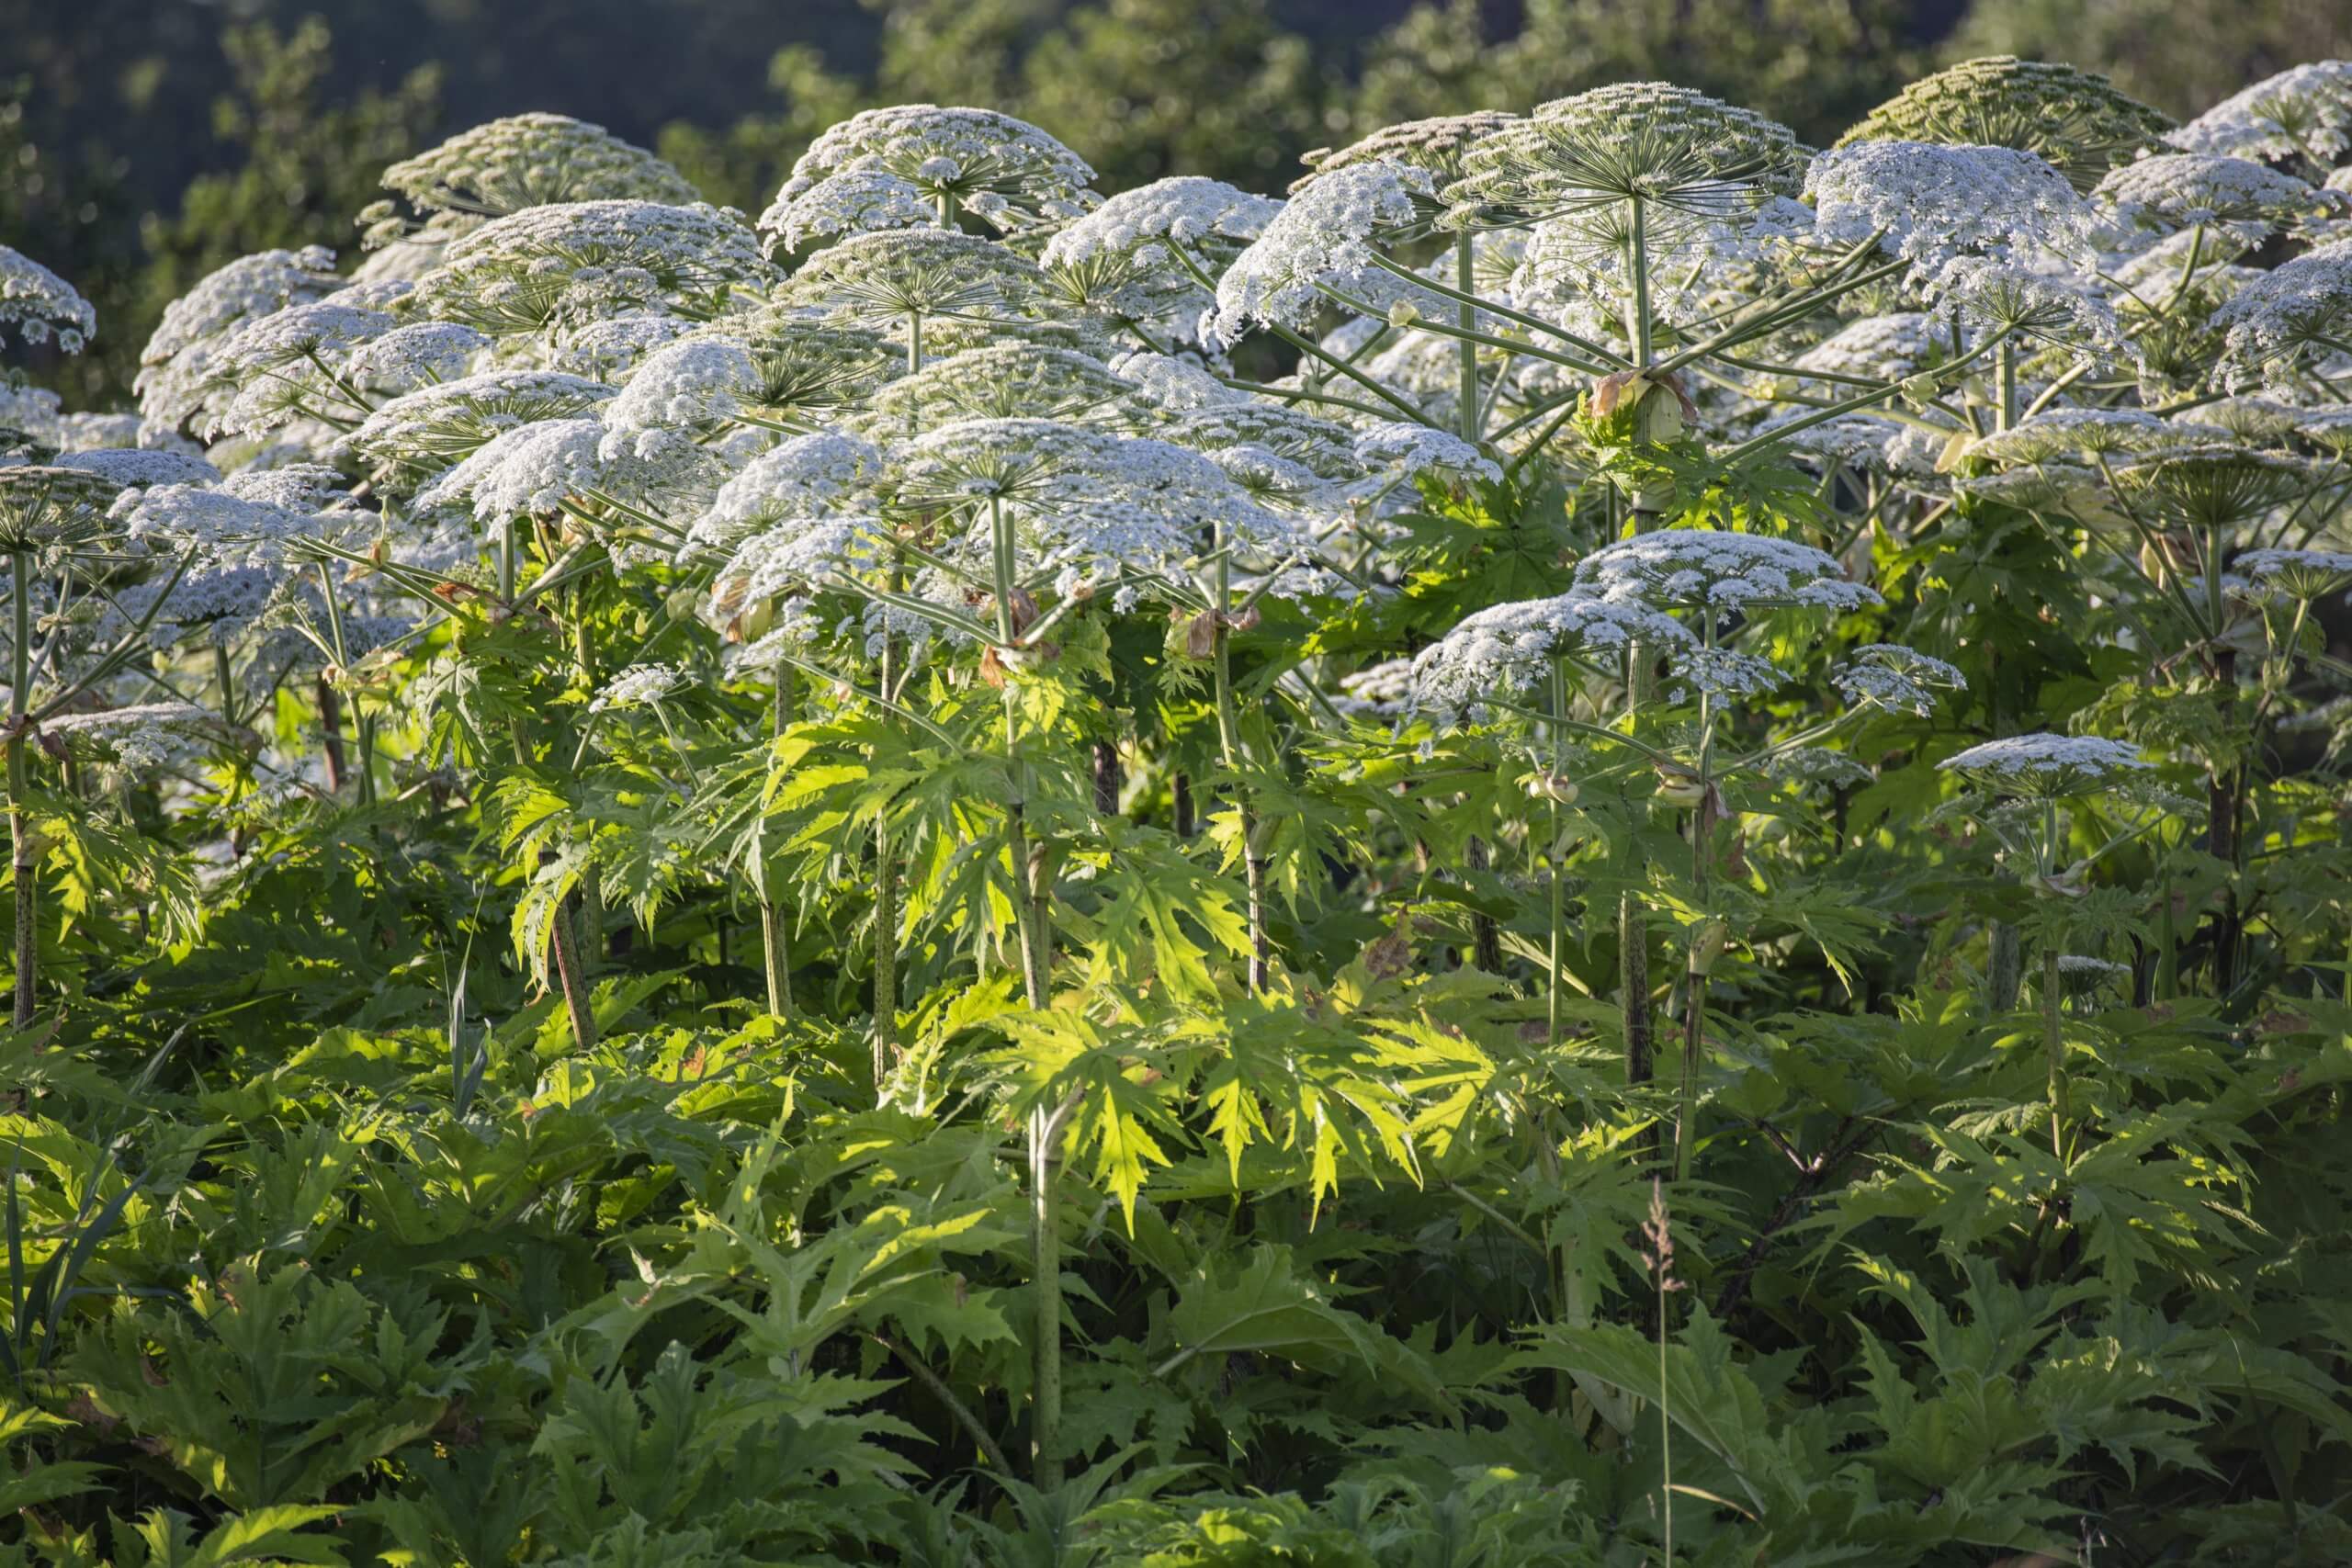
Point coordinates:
[(174, 367), (1136, 255), (1325, 239), (2305, 111), (39, 305)]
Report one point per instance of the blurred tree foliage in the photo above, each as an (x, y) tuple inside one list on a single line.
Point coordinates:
[(144, 142)]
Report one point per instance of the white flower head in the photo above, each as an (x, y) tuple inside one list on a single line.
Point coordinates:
[(1690, 159), (138, 469), (639, 685), (420, 354), (2073, 119), (1703, 568), (1513, 647), (533, 160), (1004, 171), (1929, 204), (2304, 112), (2056, 434), (39, 305), (1325, 238), (1876, 348), (2047, 765), (141, 738), (1888, 675), (2297, 573), (2177, 190), (425, 430), (2297, 311), (800, 481), (545, 267), (534, 471)]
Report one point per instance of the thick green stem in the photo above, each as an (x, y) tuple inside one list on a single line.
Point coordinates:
[(2055, 1041), (1556, 894), (1028, 899), (885, 897), (1637, 269), (331, 733), (1694, 975), (1634, 984), (1466, 351), (1229, 730), (19, 829), (1046, 1288), (776, 956)]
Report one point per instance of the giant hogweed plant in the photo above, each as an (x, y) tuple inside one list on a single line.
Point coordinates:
[(1084, 793)]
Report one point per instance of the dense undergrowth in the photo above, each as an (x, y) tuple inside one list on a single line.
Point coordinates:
[(1610, 844)]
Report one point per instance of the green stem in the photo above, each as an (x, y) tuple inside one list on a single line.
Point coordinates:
[(1694, 976), (885, 897), (1465, 352), (1228, 731), (19, 829), (1557, 894), (1637, 306), (2053, 1039), (1028, 915), (775, 955), (1046, 1288)]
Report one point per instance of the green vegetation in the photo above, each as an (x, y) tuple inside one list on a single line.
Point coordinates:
[(1595, 832)]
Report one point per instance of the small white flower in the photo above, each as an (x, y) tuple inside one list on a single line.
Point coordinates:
[(639, 685)]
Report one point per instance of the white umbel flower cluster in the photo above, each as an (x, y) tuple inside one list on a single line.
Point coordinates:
[(531, 160), (1888, 675), (1325, 238), (2047, 765), (1704, 568), (2175, 190), (2304, 112), (2277, 320), (1929, 204), (864, 172), (38, 305), (1513, 647), (639, 685)]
